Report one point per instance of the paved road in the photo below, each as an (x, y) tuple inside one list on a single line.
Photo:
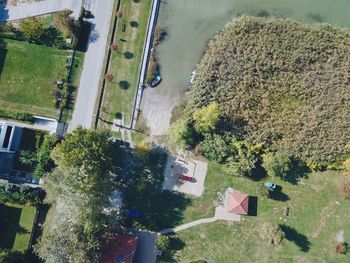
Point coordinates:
[(188, 225), (93, 65), (10, 13), (146, 251)]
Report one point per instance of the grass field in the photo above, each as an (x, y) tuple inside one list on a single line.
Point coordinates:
[(16, 224), (28, 75), (317, 215), (125, 63)]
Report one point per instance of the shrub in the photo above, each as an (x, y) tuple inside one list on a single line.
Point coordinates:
[(114, 47), (109, 77), (142, 149), (33, 29), (215, 147), (152, 68), (281, 93), (43, 158), (275, 234), (345, 188), (182, 134), (206, 118), (18, 116), (277, 164), (163, 243), (340, 248), (262, 191)]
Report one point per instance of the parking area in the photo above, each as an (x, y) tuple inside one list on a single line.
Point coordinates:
[(185, 175)]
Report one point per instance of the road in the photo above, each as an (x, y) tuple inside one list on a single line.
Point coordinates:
[(93, 65), (10, 13)]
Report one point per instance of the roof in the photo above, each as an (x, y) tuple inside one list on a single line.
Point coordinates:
[(238, 203), (120, 249)]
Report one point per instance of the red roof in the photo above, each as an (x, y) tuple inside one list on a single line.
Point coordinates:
[(120, 247), (238, 203)]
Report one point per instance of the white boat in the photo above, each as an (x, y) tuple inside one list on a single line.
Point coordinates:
[(192, 76)]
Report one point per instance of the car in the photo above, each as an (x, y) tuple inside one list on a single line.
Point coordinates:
[(271, 186), (155, 82)]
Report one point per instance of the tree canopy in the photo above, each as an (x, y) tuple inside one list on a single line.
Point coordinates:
[(281, 83)]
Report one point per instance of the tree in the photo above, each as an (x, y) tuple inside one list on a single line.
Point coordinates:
[(43, 156), (86, 149), (114, 47), (109, 77), (119, 14), (242, 162), (206, 118), (32, 28), (64, 22), (182, 134), (277, 164), (78, 190), (10, 256), (142, 149), (163, 243), (215, 147)]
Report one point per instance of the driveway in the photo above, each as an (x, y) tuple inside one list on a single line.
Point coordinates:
[(93, 65), (10, 13)]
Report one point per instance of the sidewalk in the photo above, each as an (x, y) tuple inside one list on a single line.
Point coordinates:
[(10, 13)]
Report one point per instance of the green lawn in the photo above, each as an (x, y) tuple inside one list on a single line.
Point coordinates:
[(28, 75), (317, 214), (16, 224), (125, 63)]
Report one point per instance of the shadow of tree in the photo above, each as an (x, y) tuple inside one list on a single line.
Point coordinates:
[(134, 24), (299, 170), (278, 195), (297, 238), (124, 84), (3, 53), (175, 244), (128, 55), (159, 209)]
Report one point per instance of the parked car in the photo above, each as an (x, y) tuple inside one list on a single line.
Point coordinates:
[(271, 186)]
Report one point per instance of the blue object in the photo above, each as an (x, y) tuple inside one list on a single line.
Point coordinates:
[(271, 186), (132, 213)]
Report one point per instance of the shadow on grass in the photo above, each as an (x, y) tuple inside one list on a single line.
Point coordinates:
[(124, 84), (175, 244), (297, 238), (9, 225), (159, 209), (278, 195), (128, 55), (253, 206), (3, 54), (134, 24)]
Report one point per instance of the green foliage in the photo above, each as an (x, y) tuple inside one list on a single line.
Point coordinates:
[(43, 156), (275, 234), (18, 116), (278, 164), (10, 256), (276, 81), (64, 22), (78, 189), (83, 148), (22, 195), (163, 243), (32, 28), (206, 118), (182, 134), (262, 191), (215, 147), (242, 162), (27, 157)]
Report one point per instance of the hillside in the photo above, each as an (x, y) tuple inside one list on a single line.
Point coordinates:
[(281, 83)]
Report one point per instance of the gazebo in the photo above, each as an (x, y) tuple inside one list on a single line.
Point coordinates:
[(238, 203)]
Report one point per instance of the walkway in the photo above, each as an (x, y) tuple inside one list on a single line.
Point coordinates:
[(93, 65), (188, 225), (10, 13)]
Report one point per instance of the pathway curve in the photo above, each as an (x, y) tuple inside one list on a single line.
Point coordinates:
[(10, 13), (188, 225), (93, 65)]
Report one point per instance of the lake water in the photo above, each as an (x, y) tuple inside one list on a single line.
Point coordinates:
[(191, 23)]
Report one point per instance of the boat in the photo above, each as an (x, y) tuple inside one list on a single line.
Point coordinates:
[(192, 76), (155, 82)]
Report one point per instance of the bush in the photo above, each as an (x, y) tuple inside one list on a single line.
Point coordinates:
[(206, 118), (280, 94), (22, 195), (163, 243), (262, 191), (340, 248), (345, 188), (275, 234), (277, 164), (152, 68), (182, 134), (215, 147), (43, 159), (143, 149), (18, 116)]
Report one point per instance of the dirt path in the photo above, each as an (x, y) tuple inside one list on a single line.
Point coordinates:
[(188, 225), (324, 215)]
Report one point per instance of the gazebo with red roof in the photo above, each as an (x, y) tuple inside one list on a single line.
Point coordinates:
[(238, 203), (120, 249)]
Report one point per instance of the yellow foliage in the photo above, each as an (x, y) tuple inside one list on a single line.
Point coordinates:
[(206, 118), (142, 149)]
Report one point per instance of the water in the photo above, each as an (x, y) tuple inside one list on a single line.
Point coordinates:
[(191, 23)]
